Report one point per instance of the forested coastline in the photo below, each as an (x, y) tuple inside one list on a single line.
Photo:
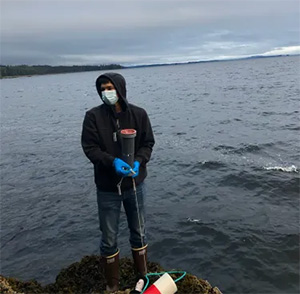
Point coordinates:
[(7, 71)]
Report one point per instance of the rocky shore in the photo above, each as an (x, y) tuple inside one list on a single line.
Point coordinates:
[(86, 276)]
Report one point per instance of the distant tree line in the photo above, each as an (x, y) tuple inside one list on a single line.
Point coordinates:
[(28, 70)]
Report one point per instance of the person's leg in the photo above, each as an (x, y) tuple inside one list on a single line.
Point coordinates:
[(135, 211), (109, 206)]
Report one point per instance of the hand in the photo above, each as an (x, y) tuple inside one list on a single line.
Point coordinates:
[(121, 167), (136, 167)]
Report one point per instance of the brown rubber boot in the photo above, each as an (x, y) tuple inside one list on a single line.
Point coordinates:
[(111, 271), (140, 259)]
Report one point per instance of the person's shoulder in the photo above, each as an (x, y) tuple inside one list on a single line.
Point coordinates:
[(137, 109), (95, 110)]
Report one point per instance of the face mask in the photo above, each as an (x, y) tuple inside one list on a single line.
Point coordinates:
[(110, 97)]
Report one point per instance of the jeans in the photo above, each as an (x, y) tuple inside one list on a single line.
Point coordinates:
[(109, 208)]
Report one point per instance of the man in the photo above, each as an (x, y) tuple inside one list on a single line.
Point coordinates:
[(114, 178)]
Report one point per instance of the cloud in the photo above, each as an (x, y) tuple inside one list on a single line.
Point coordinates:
[(283, 51), (72, 31)]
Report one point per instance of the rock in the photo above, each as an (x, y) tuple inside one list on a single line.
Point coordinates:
[(86, 276), (5, 287)]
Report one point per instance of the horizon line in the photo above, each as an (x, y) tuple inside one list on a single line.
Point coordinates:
[(165, 63)]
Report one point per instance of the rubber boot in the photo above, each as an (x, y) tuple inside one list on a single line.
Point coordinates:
[(140, 260), (111, 272)]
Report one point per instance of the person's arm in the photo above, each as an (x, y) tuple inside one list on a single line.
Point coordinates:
[(90, 143), (143, 154)]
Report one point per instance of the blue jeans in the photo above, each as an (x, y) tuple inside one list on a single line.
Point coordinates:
[(109, 208)]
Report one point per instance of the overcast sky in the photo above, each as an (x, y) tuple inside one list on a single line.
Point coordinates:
[(68, 32)]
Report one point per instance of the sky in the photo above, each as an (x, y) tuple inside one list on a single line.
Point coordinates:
[(89, 32)]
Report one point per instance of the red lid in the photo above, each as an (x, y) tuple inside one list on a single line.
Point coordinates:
[(128, 132)]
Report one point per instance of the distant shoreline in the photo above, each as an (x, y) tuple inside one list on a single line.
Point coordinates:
[(15, 71), (76, 68), (213, 60)]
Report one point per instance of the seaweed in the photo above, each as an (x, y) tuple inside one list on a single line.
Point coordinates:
[(86, 276)]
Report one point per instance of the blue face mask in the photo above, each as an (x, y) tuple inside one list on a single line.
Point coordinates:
[(110, 97)]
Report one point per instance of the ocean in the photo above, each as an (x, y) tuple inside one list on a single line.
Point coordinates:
[(223, 185)]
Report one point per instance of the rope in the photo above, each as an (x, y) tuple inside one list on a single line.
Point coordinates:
[(140, 225), (183, 273), (161, 273)]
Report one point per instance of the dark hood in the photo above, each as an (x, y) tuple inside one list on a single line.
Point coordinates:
[(119, 83)]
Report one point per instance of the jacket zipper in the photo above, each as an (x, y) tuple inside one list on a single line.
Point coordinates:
[(115, 134), (120, 183)]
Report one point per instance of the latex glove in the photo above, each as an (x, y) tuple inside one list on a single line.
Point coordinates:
[(121, 167), (136, 167)]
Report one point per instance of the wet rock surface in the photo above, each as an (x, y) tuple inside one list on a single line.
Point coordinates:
[(87, 276)]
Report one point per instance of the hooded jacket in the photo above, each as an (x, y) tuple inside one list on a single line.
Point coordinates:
[(101, 142)]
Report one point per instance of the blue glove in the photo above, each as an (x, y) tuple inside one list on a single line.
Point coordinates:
[(121, 167), (136, 167)]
